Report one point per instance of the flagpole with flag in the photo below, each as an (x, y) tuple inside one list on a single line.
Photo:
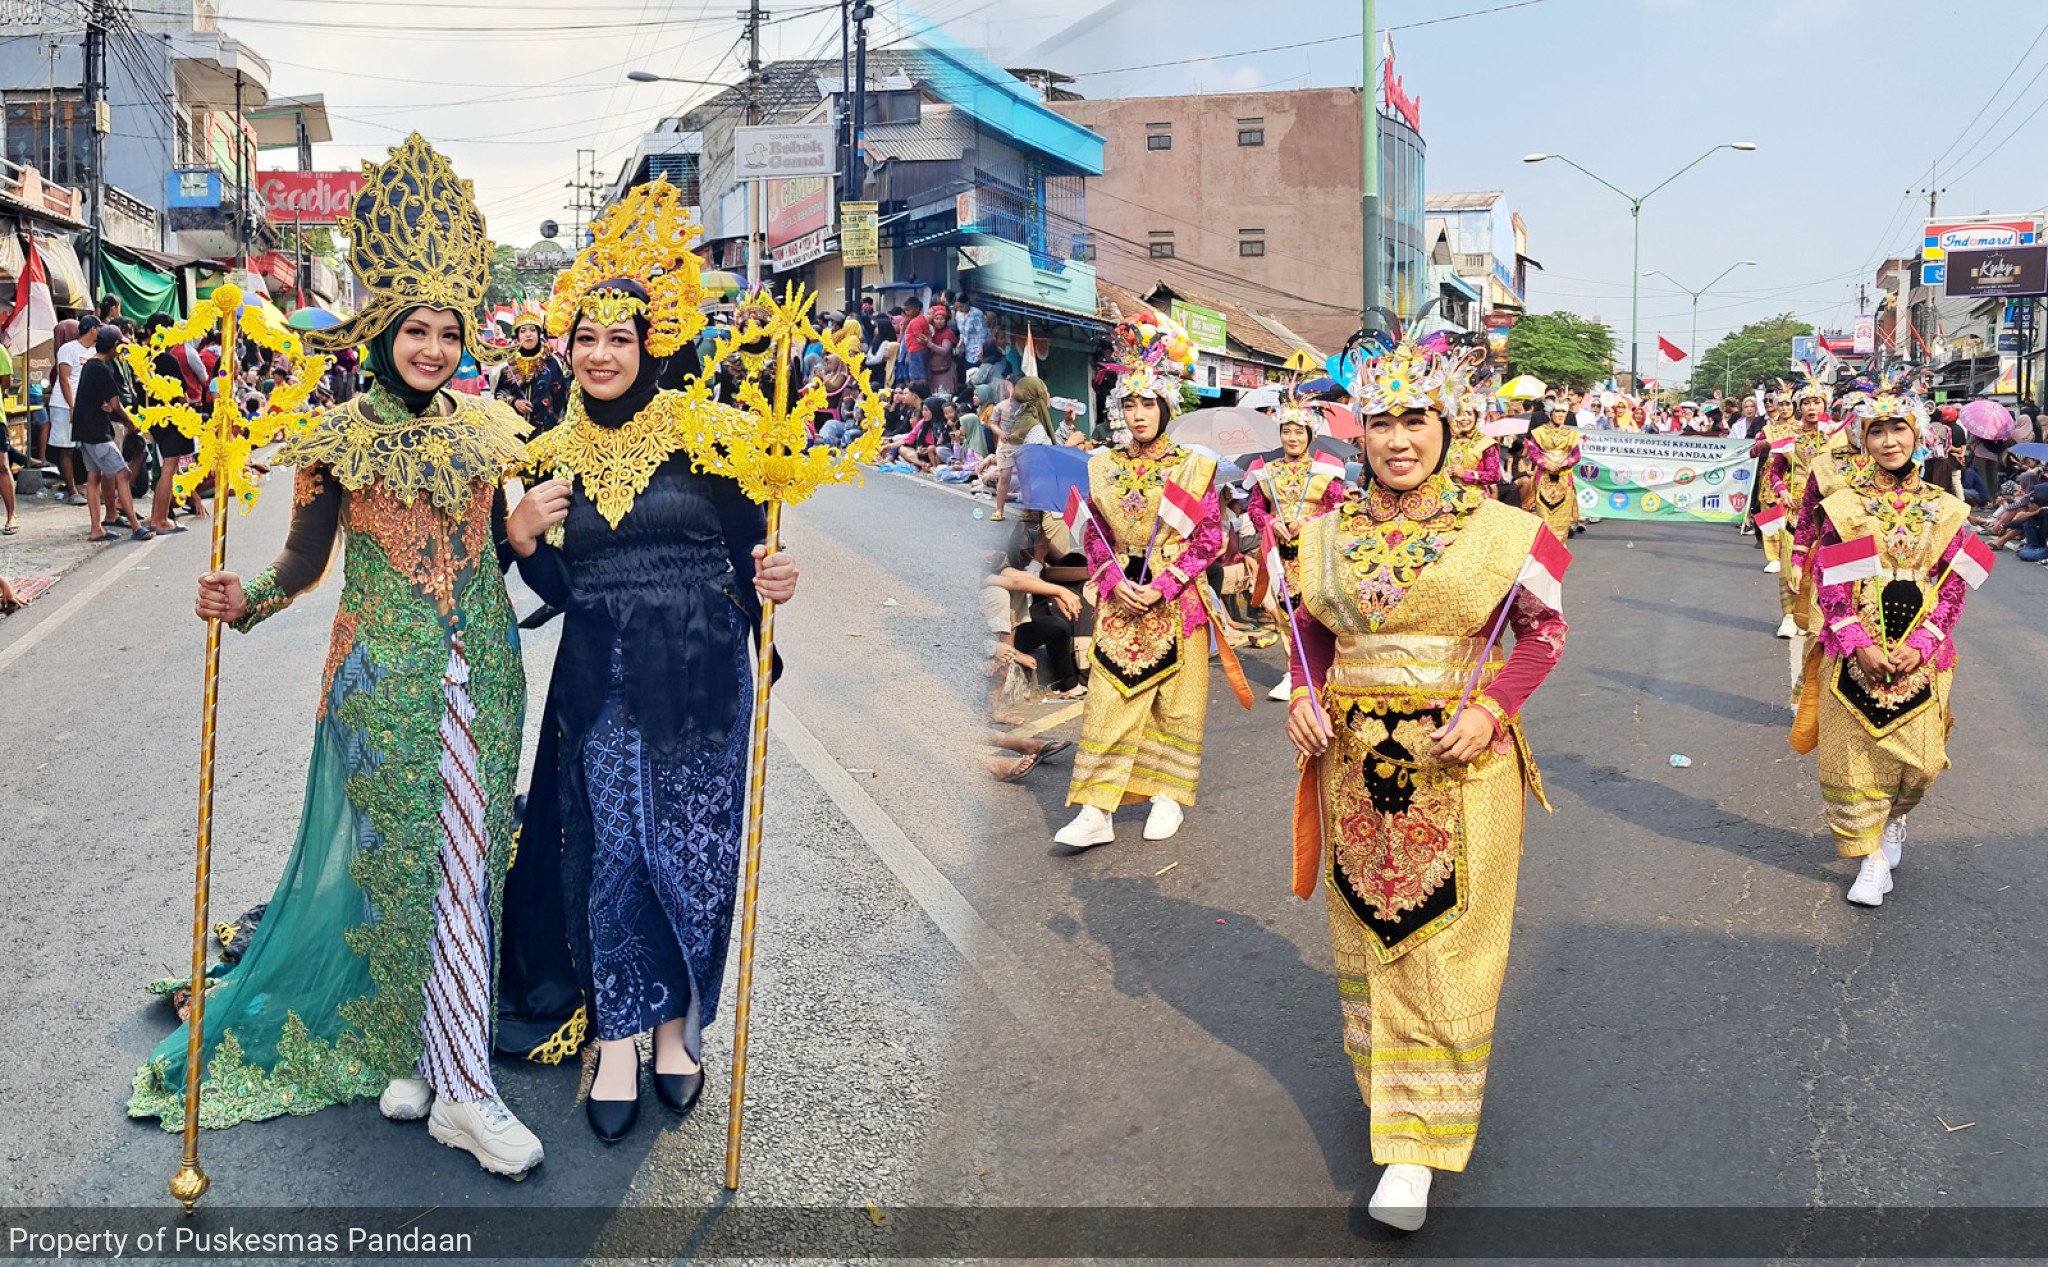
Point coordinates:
[(1542, 575)]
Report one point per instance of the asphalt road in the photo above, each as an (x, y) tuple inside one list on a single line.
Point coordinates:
[(1693, 1016), (950, 1008)]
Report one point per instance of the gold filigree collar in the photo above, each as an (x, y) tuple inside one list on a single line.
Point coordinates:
[(614, 465), (441, 455), (1435, 498)]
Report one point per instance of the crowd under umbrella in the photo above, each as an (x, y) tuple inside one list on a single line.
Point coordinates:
[(1986, 420), (1226, 429), (311, 318), (2031, 450)]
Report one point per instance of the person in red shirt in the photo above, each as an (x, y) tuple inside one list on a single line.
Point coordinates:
[(917, 338), (942, 351)]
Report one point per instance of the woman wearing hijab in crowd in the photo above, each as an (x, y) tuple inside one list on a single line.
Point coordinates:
[(1554, 493), (1289, 491), (1881, 701), (619, 909), (1030, 422), (1475, 456), (1157, 527), (1408, 813), (533, 380), (370, 974)]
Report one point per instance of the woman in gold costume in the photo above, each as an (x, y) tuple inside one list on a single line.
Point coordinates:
[(1157, 527), (1289, 491), (1888, 654), (1409, 810), (1554, 493)]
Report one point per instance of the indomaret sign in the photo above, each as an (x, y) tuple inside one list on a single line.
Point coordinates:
[(308, 197)]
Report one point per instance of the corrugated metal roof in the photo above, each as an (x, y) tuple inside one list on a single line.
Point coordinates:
[(1256, 333), (939, 136), (1477, 200)]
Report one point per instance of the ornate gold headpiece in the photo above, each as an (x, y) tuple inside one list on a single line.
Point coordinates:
[(644, 237), (530, 316), (1406, 379), (416, 239)]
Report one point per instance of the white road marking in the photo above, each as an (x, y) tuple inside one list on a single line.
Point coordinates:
[(980, 945), (124, 562)]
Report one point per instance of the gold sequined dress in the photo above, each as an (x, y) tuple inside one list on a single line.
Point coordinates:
[(1417, 859)]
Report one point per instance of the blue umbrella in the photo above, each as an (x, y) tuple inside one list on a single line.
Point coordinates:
[(1320, 385), (1044, 474), (2038, 452)]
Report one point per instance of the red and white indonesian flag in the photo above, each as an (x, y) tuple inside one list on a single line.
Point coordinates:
[(1973, 559), (1256, 472), (33, 309), (1543, 571), (1770, 520), (1077, 516), (1269, 554), (1179, 509), (1848, 561), (1782, 445), (1328, 463)]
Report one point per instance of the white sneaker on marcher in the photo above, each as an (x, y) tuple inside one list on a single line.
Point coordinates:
[(1164, 820), (1873, 880), (1402, 1199), (1894, 843), (406, 1099), (1788, 626), (1773, 568), (487, 1131), (1090, 827), (1282, 691)]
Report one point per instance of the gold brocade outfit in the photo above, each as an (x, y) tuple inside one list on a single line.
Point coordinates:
[(1817, 453), (1419, 871), (1148, 680), (1884, 742), (1553, 494), (1292, 492)]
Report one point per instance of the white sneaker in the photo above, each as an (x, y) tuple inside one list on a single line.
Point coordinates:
[(2013, 546), (1788, 626), (487, 1131), (1090, 827), (1402, 1199), (1894, 842), (1773, 567), (1873, 880), (1164, 820), (1282, 691), (406, 1099)]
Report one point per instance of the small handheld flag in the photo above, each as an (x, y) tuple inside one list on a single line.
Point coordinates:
[(1543, 571), (1782, 445), (1973, 559), (1328, 462), (1077, 516), (1848, 561), (1269, 554), (1179, 509), (1770, 520)]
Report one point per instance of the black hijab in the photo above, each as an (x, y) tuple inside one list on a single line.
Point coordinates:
[(383, 366), (620, 410)]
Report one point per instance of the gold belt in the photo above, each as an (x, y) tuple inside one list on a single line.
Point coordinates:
[(1411, 662)]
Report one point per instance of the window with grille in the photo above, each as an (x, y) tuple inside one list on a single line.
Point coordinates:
[(1159, 141), (1162, 250), (1251, 246), (55, 138), (1251, 136)]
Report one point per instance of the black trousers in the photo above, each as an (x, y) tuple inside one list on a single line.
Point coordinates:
[(1051, 632)]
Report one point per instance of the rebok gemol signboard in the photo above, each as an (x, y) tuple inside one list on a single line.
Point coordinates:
[(765, 153), (2005, 270), (308, 197)]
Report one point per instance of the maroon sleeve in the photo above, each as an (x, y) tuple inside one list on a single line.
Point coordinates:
[(1539, 644)]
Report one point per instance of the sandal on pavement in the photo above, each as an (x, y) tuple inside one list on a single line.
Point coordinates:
[(1025, 764), (1053, 747)]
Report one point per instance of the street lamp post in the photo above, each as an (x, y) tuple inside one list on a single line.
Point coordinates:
[(1692, 348), (1635, 210)]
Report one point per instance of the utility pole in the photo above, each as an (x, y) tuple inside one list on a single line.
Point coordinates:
[(583, 191), (95, 93), (752, 15), (854, 181), (1369, 200)]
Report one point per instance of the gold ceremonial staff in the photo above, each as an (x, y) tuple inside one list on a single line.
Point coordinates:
[(223, 443), (763, 446)]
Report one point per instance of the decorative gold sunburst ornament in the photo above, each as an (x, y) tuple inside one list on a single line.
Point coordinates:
[(223, 440), (765, 444), (646, 237)]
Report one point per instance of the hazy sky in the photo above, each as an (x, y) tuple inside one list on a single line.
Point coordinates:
[(1849, 102)]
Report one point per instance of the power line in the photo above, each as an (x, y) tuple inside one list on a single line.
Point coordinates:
[(1330, 39)]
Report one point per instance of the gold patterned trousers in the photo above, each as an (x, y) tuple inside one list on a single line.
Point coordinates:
[(1866, 779), (1148, 745)]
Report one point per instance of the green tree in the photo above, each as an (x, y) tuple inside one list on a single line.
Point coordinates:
[(1561, 348), (507, 287), (1759, 352)]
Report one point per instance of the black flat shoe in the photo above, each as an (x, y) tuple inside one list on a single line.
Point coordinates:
[(612, 1120), (679, 1092)]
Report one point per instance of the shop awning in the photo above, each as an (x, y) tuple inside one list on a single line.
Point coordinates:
[(1039, 312), (68, 288), (143, 291)]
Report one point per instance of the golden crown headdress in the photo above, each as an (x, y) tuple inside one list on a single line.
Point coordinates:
[(530, 316), (416, 239), (644, 237), (1406, 379)]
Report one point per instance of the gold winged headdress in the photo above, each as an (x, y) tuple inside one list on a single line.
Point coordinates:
[(645, 237), (416, 239)]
